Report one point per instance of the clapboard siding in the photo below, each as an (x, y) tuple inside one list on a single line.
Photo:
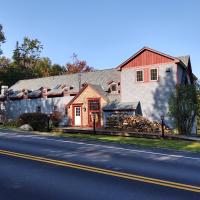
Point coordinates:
[(147, 58)]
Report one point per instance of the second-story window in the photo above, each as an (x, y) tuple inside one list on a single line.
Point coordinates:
[(154, 74), (139, 76)]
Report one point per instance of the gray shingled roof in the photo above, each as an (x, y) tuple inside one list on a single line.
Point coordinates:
[(184, 59), (100, 91), (99, 77), (121, 106), (16, 94), (35, 94)]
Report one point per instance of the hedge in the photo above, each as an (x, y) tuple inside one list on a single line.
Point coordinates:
[(38, 121)]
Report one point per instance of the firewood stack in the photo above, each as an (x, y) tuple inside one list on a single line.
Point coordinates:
[(135, 124)]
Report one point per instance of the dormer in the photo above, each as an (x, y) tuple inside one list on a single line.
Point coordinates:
[(25, 93), (65, 90), (44, 91), (114, 87)]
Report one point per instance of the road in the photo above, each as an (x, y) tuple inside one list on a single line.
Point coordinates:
[(45, 168)]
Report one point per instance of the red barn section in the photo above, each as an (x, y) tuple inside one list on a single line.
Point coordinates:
[(146, 56)]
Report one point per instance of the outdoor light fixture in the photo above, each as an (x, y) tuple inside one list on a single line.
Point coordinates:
[(84, 109)]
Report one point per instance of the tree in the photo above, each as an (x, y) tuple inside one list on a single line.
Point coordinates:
[(56, 70), (4, 62), (77, 66), (12, 73), (28, 53), (183, 107), (42, 67), (2, 37)]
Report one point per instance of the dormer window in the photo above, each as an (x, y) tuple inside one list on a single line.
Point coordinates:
[(113, 88)]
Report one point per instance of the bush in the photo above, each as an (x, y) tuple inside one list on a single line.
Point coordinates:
[(38, 121), (10, 124), (56, 118)]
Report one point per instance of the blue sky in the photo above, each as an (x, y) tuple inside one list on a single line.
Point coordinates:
[(104, 32)]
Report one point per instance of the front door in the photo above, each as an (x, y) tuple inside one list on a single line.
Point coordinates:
[(77, 116)]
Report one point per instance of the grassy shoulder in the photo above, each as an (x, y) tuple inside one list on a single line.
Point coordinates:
[(143, 142)]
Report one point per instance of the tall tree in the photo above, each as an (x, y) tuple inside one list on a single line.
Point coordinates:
[(4, 62), (2, 37), (28, 53), (184, 107), (56, 70), (77, 66), (42, 67)]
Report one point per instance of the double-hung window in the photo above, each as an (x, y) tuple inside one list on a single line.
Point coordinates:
[(154, 74), (139, 76)]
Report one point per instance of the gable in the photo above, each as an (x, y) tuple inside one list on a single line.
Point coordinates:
[(146, 56), (88, 91)]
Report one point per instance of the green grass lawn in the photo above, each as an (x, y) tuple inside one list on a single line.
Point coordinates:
[(144, 142)]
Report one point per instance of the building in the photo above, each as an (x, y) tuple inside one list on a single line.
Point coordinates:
[(140, 85)]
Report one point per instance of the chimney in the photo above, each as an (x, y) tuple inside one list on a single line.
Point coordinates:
[(4, 89), (79, 81)]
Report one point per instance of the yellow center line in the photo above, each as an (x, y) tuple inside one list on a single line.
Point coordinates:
[(103, 171)]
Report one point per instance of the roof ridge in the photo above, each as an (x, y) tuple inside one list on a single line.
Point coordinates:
[(74, 74)]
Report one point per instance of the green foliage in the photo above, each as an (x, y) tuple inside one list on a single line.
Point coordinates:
[(28, 53), (42, 67), (38, 121), (10, 124), (4, 62), (13, 73), (27, 63), (183, 107), (2, 37), (56, 70), (143, 142)]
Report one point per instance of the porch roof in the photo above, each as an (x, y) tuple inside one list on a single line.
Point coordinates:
[(119, 106)]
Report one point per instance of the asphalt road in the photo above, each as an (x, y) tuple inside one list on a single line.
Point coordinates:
[(26, 177)]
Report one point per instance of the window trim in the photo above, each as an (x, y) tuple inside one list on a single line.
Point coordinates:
[(150, 74), (142, 75)]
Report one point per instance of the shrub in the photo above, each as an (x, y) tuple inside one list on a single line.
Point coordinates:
[(56, 118), (10, 124), (38, 121)]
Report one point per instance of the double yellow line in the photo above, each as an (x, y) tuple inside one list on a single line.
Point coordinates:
[(104, 171)]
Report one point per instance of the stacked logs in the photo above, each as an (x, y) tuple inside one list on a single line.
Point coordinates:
[(135, 124)]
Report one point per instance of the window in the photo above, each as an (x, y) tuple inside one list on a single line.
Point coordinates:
[(55, 108), (94, 104), (78, 111), (139, 76), (154, 74), (113, 87), (38, 109)]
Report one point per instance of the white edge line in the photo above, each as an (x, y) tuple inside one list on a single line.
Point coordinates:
[(104, 146)]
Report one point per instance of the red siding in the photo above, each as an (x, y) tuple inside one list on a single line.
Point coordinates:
[(147, 58)]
